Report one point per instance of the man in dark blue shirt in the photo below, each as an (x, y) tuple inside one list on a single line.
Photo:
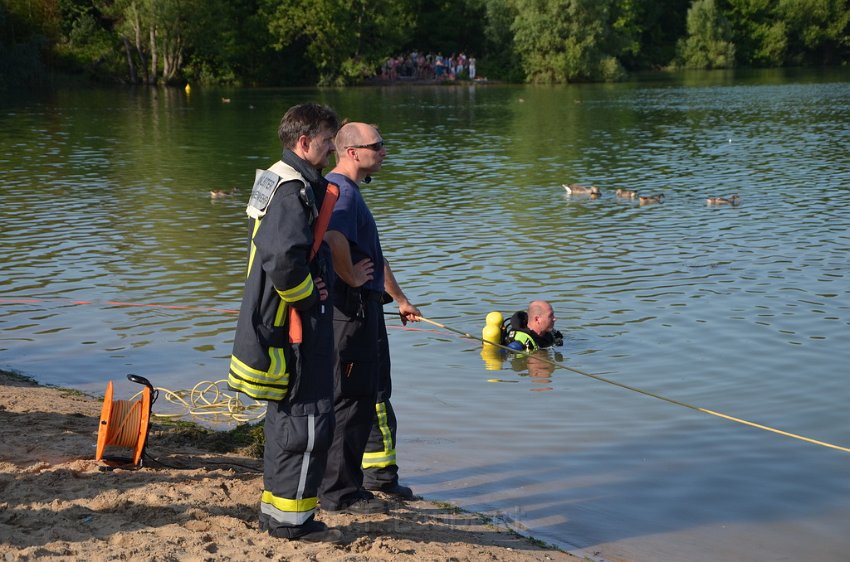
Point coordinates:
[(365, 433)]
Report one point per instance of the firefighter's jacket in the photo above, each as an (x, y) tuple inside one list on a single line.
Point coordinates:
[(264, 364)]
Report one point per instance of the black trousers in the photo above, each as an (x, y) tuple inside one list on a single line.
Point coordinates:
[(343, 479), (355, 388), (380, 470), (293, 465)]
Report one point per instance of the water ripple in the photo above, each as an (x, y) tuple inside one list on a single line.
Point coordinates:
[(741, 309)]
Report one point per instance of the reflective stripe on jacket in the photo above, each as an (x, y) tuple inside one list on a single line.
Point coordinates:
[(278, 276)]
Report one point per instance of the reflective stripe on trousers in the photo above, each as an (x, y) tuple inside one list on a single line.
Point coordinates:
[(298, 509), (387, 456)]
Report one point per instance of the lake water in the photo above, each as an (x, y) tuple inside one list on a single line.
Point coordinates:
[(104, 202)]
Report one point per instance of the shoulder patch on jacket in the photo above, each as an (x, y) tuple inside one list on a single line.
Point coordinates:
[(265, 184)]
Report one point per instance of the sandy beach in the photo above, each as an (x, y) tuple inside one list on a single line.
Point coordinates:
[(57, 502)]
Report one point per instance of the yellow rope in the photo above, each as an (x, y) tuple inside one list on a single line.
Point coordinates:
[(211, 399), (648, 393)]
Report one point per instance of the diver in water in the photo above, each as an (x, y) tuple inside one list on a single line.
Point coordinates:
[(534, 329)]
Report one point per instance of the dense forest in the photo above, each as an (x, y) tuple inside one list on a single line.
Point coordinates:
[(338, 42)]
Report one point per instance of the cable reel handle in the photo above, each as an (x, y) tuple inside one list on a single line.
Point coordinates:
[(144, 382)]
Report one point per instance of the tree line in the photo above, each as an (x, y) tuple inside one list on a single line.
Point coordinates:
[(339, 42)]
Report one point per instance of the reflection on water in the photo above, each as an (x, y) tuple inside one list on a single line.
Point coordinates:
[(105, 206), (538, 366)]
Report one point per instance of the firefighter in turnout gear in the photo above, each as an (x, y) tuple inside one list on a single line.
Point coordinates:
[(283, 349)]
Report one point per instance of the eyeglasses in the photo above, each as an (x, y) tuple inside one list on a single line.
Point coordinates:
[(376, 146)]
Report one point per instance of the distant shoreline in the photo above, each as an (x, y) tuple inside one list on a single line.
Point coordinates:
[(378, 81)]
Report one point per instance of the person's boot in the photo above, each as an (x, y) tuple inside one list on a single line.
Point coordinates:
[(311, 531), (398, 491), (363, 503)]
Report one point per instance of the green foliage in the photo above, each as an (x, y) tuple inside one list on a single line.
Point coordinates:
[(28, 19), (708, 44), (155, 34), (626, 27), (354, 70), (818, 30), (448, 26), (500, 56), (220, 36), (564, 41), (661, 24), (247, 439), (21, 45), (338, 42), (609, 69), (90, 48), (760, 40), (772, 44), (794, 32), (342, 37)]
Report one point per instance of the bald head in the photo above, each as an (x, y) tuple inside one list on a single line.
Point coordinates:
[(355, 134), (360, 150), (541, 317)]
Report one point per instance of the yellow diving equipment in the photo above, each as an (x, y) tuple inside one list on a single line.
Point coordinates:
[(493, 357), (492, 332)]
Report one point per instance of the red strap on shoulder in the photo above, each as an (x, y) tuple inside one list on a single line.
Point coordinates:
[(324, 218), (319, 228)]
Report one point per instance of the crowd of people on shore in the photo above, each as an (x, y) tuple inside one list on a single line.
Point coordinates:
[(431, 66)]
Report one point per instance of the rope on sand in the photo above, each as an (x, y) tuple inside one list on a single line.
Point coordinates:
[(211, 399)]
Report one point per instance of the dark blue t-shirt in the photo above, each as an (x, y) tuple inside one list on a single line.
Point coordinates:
[(354, 220)]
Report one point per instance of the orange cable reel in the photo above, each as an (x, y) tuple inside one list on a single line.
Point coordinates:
[(125, 424)]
